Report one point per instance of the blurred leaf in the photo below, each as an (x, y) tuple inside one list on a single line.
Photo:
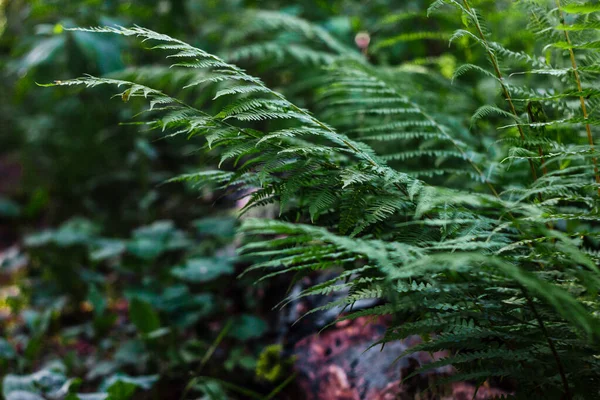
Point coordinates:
[(44, 51), (131, 352), (121, 390), (7, 352), (37, 322), (38, 239), (43, 381), (33, 347), (143, 316), (149, 296), (104, 52), (247, 327), (97, 300), (74, 231), (9, 208), (149, 199), (151, 241), (217, 226), (178, 298), (101, 369), (37, 202), (143, 382), (203, 269), (237, 357), (158, 333), (585, 8), (106, 249), (103, 323), (146, 249), (145, 148), (158, 230), (23, 395), (212, 390), (87, 396)]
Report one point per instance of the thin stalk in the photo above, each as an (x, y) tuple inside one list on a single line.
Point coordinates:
[(215, 344), (280, 387), (250, 394), (505, 91), (588, 129), (206, 357), (540, 321)]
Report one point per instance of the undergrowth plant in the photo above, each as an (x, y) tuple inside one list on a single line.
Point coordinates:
[(475, 225)]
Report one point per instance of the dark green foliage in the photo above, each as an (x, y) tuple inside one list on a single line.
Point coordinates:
[(137, 305)]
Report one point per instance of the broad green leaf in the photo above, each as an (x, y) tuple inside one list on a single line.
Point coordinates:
[(143, 316), (121, 390)]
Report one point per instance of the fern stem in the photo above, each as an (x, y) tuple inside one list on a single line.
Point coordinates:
[(505, 91), (540, 321), (579, 88)]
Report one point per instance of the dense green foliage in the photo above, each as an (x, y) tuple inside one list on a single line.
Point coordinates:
[(459, 189)]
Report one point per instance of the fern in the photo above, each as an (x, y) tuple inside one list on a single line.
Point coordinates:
[(482, 239)]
